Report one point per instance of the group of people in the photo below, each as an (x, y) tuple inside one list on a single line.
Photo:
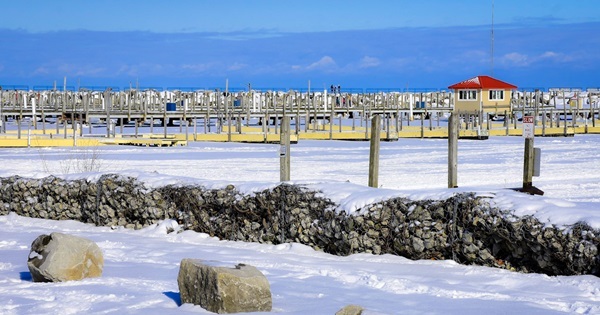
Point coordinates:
[(335, 89)]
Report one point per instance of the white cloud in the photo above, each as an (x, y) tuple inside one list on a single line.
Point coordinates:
[(523, 60), (558, 57), (142, 69), (197, 67), (324, 63), (369, 62), (67, 69), (41, 70), (516, 59), (237, 66)]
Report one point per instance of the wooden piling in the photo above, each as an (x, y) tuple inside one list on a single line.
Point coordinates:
[(453, 149), (284, 150), (374, 151)]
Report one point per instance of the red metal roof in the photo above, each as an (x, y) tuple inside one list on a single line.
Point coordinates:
[(482, 82)]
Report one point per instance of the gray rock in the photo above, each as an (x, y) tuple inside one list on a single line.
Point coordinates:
[(223, 289), (350, 310), (62, 257)]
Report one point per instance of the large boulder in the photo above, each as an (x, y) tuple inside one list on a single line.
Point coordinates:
[(222, 289), (62, 257)]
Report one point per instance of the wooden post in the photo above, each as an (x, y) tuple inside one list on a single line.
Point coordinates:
[(206, 123), (284, 150), (195, 128), (297, 119), (565, 113), (387, 127), (374, 151), (397, 117), (187, 127), (227, 113), (207, 116), (74, 131), (2, 129), (506, 121), (29, 135), (364, 116), (107, 105), (331, 114), (422, 125), (453, 150), (247, 104), (528, 165), (42, 109), (593, 114), (165, 119), (544, 123)]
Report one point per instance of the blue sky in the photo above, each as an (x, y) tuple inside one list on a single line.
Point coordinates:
[(284, 44)]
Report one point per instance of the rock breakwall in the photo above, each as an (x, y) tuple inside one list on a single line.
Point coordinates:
[(465, 227)]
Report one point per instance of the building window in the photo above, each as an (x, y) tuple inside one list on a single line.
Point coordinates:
[(496, 95), (467, 95)]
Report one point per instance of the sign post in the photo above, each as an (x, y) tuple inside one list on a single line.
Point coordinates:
[(529, 157), (528, 127)]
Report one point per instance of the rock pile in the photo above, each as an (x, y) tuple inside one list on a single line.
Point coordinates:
[(465, 228)]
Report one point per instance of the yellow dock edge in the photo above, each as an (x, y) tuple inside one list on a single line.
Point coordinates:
[(50, 139)]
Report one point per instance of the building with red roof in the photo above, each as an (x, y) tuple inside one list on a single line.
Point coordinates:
[(483, 94)]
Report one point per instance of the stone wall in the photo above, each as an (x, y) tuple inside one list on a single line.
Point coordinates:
[(464, 228)]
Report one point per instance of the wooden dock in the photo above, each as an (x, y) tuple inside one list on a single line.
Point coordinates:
[(171, 118)]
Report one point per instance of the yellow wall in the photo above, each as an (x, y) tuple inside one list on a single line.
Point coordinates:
[(498, 106), (467, 106)]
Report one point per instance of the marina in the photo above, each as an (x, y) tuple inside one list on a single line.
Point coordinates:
[(157, 117)]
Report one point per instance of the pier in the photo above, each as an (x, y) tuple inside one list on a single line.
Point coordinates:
[(156, 117)]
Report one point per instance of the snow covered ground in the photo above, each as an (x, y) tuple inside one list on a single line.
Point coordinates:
[(140, 274)]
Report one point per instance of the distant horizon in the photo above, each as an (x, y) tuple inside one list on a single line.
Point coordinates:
[(58, 85)]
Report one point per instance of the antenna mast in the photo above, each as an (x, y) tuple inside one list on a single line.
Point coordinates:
[(492, 37)]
